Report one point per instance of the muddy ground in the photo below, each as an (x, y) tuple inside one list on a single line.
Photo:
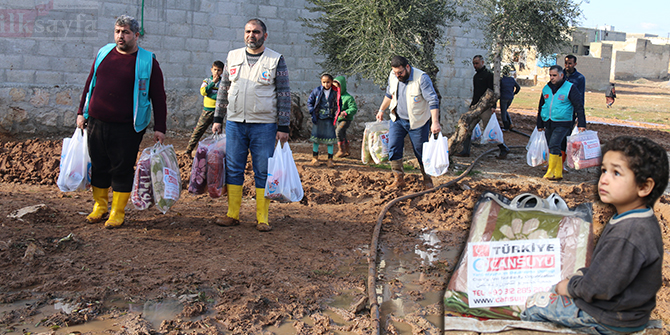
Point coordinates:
[(299, 278)]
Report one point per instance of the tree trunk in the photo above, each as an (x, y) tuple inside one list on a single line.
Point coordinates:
[(497, 60), (295, 127), (469, 120)]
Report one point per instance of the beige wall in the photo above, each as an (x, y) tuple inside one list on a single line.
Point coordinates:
[(640, 58), (595, 67)]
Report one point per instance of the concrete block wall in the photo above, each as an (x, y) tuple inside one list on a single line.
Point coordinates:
[(47, 48), (462, 42), (645, 60)]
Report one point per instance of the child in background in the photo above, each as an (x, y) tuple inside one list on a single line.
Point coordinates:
[(323, 104), (617, 292), (610, 95), (208, 89), (346, 116)]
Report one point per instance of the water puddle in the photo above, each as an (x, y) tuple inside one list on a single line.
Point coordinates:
[(156, 312), (402, 289), (152, 311)]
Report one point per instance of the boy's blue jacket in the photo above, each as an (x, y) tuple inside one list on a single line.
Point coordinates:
[(314, 102)]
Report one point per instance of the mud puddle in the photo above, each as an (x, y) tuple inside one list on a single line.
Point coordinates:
[(403, 288), (401, 292), (155, 312)]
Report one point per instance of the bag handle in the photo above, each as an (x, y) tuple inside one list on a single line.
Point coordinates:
[(553, 202), (528, 200), (557, 203)]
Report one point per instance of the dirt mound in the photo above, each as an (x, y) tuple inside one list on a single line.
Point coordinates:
[(33, 162)]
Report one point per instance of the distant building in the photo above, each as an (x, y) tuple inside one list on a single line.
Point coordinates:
[(603, 55), (583, 37)]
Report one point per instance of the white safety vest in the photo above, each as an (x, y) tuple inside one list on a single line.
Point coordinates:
[(252, 96), (417, 106)]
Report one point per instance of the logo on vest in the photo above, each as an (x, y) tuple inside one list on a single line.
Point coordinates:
[(561, 97), (417, 98), (265, 76), (546, 96), (233, 71)]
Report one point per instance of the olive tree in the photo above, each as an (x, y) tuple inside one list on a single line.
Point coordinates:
[(361, 36), (542, 25)]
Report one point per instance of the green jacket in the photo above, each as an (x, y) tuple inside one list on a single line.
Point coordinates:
[(348, 102)]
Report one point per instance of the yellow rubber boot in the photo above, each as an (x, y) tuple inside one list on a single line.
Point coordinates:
[(118, 213), (234, 201), (550, 167), (101, 197), (558, 168), (262, 210)]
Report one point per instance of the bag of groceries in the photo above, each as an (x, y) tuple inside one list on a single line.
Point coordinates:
[(375, 144), (283, 182), (75, 163)]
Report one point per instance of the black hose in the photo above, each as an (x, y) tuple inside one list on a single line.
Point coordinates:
[(372, 260)]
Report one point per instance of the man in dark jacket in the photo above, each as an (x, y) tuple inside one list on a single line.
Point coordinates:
[(508, 89), (481, 81), (579, 81)]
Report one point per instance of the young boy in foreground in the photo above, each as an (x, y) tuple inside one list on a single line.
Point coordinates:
[(617, 292)]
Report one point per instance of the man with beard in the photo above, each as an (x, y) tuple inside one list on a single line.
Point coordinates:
[(125, 80), (414, 110), (255, 96)]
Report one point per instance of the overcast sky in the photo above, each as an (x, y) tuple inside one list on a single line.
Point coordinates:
[(642, 16)]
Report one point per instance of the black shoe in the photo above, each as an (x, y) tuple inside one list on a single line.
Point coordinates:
[(502, 154)]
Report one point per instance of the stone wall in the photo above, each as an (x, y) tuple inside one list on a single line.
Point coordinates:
[(47, 48), (640, 58)]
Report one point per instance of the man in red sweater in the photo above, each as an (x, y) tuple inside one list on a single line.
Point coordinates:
[(125, 80)]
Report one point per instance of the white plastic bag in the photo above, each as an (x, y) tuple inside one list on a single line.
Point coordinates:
[(75, 163), (435, 155), (537, 147), (532, 136), (375, 142), (492, 134), (575, 131), (165, 178), (283, 181), (476, 133)]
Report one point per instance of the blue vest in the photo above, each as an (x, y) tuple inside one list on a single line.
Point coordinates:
[(557, 107), (141, 100)]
